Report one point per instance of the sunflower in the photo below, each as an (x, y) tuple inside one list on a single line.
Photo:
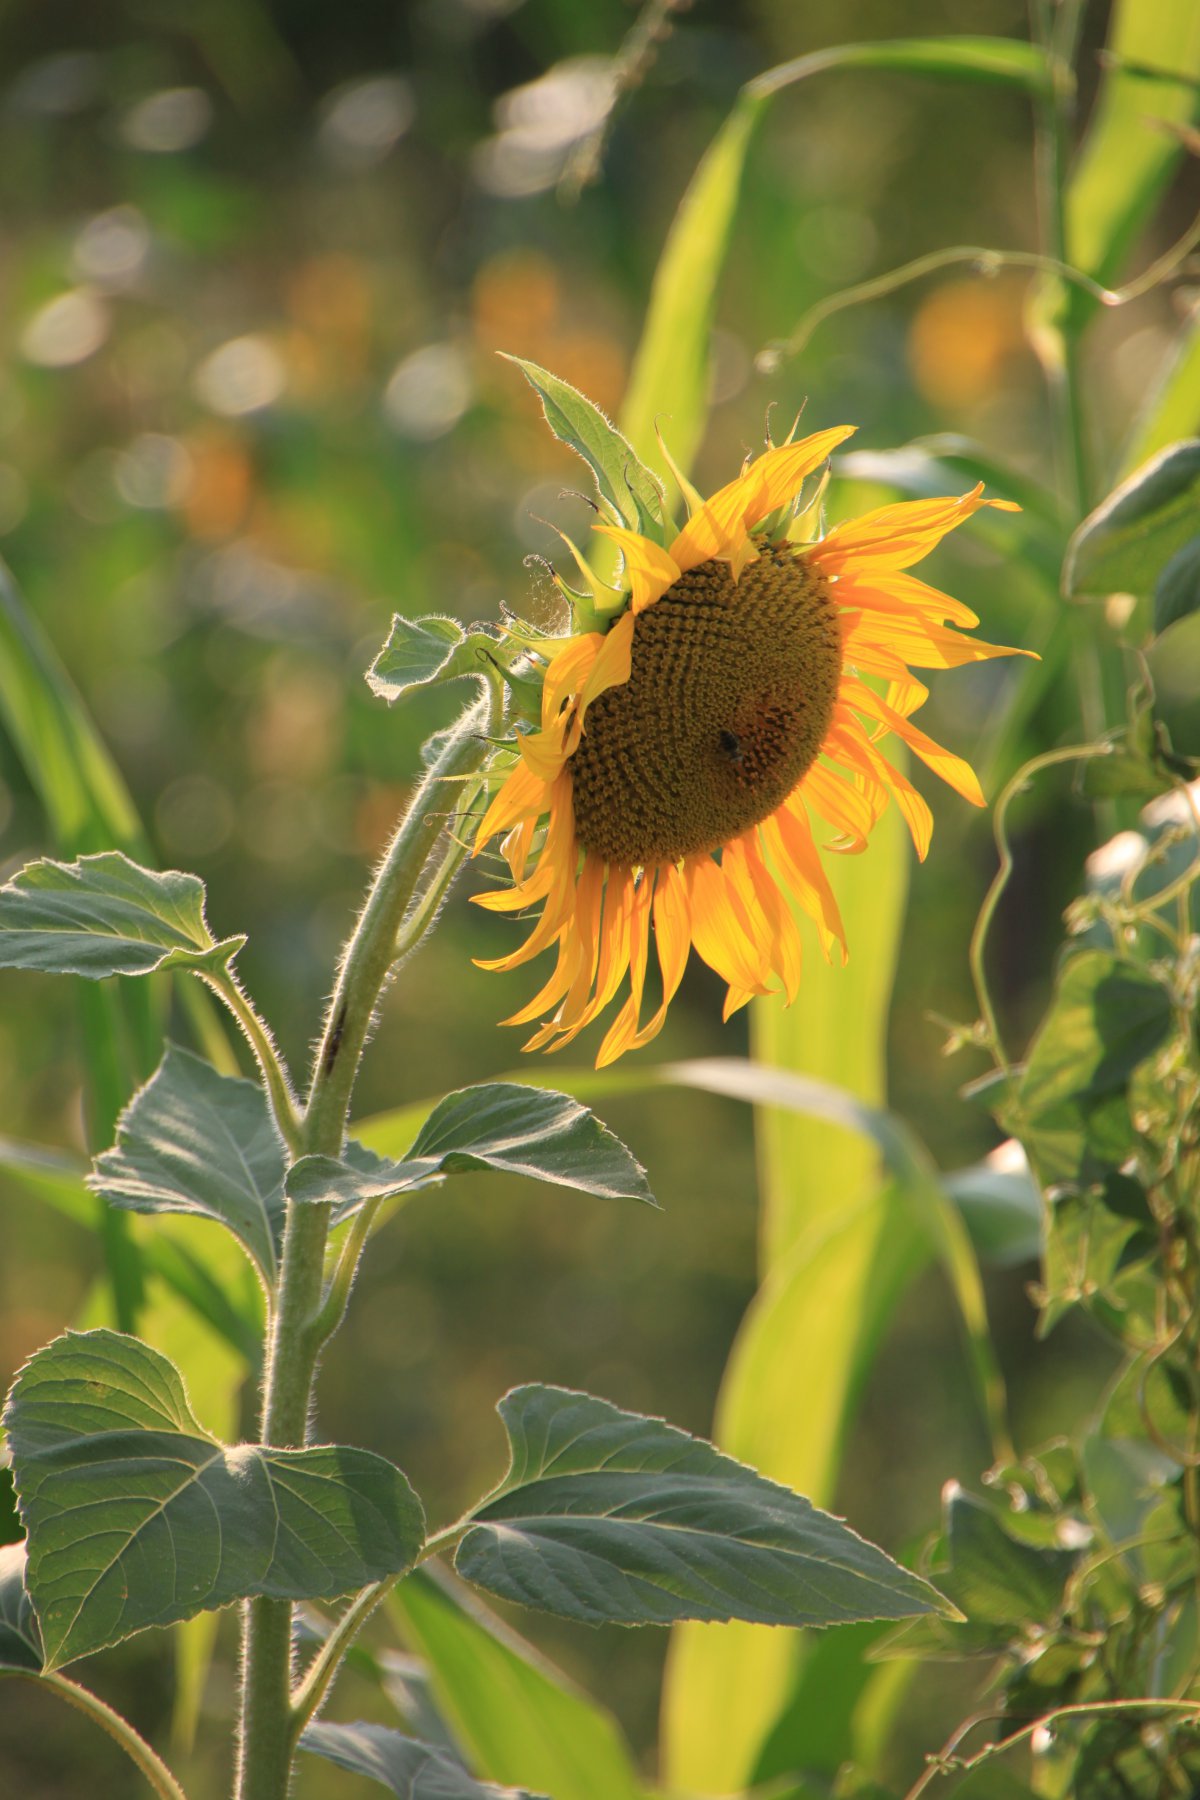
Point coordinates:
[(685, 751)]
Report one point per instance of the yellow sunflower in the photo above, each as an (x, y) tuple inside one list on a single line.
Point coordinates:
[(684, 751)]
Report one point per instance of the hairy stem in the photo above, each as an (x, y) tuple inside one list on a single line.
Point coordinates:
[(304, 1315), (135, 1747), (274, 1071)]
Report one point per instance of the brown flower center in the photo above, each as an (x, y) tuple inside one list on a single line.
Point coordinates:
[(730, 694)]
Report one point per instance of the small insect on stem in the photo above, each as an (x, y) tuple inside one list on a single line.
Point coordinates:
[(335, 1038)]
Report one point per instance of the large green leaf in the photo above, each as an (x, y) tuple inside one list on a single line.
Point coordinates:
[(624, 482), (135, 1516), (193, 1141), (1127, 543), (606, 1516), (502, 1126), (405, 1766), (105, 915), (20, 1640), (520, 1719)]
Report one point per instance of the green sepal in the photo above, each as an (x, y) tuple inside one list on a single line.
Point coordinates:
[(630, 489)]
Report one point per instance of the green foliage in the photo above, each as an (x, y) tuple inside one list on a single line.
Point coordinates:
[(501, 1126), (605, 1515), (102, 916), (20, 1639), (193, 1141), (1143, 539), (137, 1517), (625, 484), (520, 1719), (407, 1768), (419, 652)]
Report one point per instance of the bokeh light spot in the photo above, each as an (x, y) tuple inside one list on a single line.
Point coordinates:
[(171, 120), (241, 376), (66, 330), (429, 392)]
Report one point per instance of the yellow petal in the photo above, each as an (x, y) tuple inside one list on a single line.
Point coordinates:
[(523, 796), (893, 537), (950, 768), (649, 570), (611, 667), (781, 472)]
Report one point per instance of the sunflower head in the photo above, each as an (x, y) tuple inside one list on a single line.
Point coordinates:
[(734, 686)]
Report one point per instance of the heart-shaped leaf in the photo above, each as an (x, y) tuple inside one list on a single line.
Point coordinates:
[(408, 1768), (500, 1125), (105, 915), (135, 1516), (606, 1516), (20, 1640), (195, 1141)]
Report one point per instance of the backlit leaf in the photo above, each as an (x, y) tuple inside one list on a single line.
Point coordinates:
[(606, 1516), (135, 1516), (419, 652), (194, 1141), (520, 1719), (502, 1126), (406, 1767), (623, 480), (105, 915)]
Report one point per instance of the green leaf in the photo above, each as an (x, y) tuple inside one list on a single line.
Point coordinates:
[(1127, 157), (1070, 1108), (20, 1641), (1002, 1208), (606, 1516), (105, 915), (623, 480), (520, 1719), (419, 652), (72, 773), (1172, 407), (502, 1126), (670, 376), (408, 1768), (194, 1141), (1126, 545), (135, 1516), (996, 1579), (1174, 664), (961, 57)]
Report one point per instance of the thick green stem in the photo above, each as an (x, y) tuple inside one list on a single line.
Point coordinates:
[(135, 1747), (303, 1314)]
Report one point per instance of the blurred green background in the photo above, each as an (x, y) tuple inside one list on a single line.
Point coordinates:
[(256, 262)]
